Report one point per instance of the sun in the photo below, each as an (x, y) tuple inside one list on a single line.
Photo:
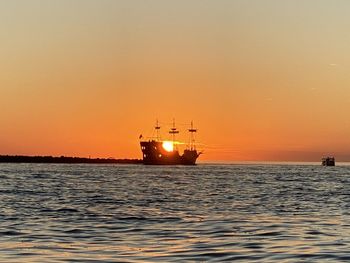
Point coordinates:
[(168, 146)]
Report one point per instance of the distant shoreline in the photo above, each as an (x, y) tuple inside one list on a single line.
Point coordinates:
[(64, 159)]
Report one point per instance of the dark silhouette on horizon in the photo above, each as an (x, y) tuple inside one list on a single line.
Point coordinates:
[(159, 152), (64, 159), (328, 161)]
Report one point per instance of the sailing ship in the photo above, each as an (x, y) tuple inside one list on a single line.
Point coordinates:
[(158, 152)]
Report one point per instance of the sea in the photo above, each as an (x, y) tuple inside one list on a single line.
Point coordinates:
[(202, 213)]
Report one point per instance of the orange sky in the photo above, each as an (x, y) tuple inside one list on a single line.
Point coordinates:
[(262, 80)]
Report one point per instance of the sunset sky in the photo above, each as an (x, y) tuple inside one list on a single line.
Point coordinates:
[(262, 80)]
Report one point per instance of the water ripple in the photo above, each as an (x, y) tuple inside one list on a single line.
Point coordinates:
[(205, 213)]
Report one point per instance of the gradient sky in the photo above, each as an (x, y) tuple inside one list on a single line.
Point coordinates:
[(262, 80)]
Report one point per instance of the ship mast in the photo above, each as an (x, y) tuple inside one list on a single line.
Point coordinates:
[(192, 138), (157, 127), (173, 131)]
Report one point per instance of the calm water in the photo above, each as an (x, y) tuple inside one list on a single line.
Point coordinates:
[(120, 213)]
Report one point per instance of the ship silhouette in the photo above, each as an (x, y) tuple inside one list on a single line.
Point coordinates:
[(328, 161), (158, 152)]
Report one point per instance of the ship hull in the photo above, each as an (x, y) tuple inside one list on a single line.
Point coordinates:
[(153, 153)]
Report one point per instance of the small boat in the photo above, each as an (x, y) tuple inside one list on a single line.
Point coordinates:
[(328, 161), (158, 152)]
